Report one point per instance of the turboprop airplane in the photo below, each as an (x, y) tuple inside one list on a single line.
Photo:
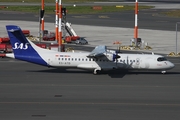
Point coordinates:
[(100, 59)]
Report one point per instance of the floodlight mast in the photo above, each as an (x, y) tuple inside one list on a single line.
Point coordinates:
[(177, 36), (42, 19), (60, 31), (136, 21), (57, 20)]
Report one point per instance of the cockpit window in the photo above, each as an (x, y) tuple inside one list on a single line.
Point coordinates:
[(161, 59)]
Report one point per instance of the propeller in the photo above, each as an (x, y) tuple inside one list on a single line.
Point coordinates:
[(116, 57)]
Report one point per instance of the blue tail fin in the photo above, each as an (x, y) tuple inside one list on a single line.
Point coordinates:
[(22, 48)]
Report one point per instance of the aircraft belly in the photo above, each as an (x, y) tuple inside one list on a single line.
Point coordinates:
[(99, 66), (87, 66)]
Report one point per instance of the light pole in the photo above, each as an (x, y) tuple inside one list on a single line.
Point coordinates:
[(176, 35), (60, 49)]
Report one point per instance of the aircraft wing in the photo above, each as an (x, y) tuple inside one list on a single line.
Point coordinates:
[(98, 52), (102, 53)]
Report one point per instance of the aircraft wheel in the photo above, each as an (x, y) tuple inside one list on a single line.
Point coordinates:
[(96, 71), (163, 72)]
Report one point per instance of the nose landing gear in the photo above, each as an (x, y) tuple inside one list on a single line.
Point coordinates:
[(163, 72)]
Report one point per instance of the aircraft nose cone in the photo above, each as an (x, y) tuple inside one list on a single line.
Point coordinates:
[(172, 65)]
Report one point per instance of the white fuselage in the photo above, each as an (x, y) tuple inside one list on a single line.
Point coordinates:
[(127, 61)]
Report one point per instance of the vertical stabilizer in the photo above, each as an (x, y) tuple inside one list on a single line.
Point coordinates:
[(23, 49)]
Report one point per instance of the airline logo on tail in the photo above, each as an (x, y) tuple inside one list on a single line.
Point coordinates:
[(21, 46)]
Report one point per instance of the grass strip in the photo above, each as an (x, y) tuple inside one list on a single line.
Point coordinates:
[(172, 13), (73, 10), (53, 1)]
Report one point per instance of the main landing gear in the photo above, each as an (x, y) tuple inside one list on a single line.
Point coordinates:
[(96, 71)]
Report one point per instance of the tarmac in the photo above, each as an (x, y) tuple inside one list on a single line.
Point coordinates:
[(30, 91), (163, 42)]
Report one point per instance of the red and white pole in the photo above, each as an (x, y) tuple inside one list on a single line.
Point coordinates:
[(42, 19), (136, 21), (60, 31), (56, 20)]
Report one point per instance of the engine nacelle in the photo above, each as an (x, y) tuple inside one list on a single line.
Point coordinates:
[(111, 56)]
